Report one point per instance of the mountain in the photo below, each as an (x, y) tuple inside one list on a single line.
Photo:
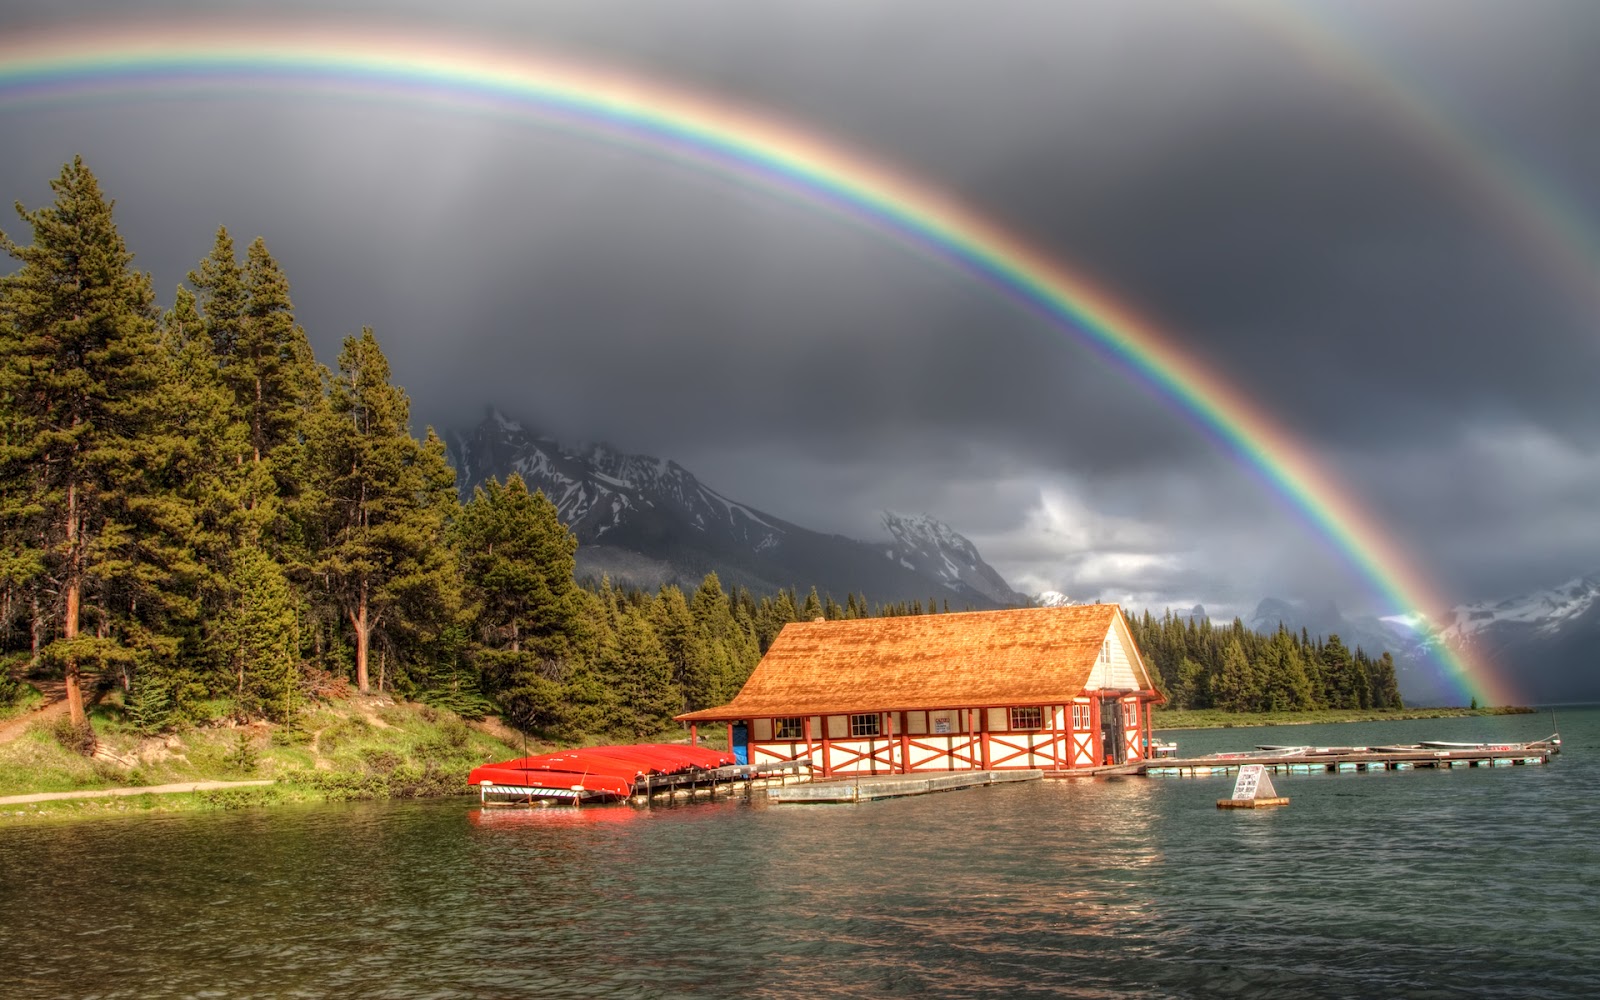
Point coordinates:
[(1546, 642), (648, 521), (1052, 599)]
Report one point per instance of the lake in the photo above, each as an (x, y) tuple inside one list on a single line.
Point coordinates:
[(1481, 882)]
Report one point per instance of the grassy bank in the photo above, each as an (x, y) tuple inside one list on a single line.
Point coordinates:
[(349, 749), (26, 701), (1207, 718)]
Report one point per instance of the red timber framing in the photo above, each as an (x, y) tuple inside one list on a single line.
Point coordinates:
[(1068, 738), (1058, 689)]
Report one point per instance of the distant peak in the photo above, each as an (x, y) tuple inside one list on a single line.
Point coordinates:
[(501, 421)]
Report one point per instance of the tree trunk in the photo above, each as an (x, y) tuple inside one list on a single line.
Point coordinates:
[(363, 638), (69, 624), (37, 636)]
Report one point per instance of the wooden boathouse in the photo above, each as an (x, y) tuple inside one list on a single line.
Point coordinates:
[(1051, 689)]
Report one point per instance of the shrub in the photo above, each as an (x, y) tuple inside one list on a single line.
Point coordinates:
[(290, 735), (381, 761), (78, 738), (244, 757)]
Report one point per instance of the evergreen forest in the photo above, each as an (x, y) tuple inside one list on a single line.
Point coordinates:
[(197, 512)]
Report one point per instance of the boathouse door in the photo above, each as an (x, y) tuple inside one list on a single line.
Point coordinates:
[(1112, 745), (741, 743)]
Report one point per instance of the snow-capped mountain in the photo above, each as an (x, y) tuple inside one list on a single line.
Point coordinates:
[(1547, 642), (649, 521), (1543, 612), (1052, 599), (934, 549)]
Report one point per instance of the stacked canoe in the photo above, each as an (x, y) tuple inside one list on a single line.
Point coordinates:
[(596, 773)]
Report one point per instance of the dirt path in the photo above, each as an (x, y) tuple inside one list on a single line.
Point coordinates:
[(54, 707), (100, 793)]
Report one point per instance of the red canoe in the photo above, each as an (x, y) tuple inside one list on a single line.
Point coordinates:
[(594, 772)]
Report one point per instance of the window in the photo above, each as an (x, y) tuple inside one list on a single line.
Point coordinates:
[(864, 725), (1130, 715), (1030, 717), (788, 729), (1080, 718), (1105, 651)]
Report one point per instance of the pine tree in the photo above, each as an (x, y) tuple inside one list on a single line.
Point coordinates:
[(1287, 688), (1385, 687), (78, 356), (518, 561), (813, 607), (1338, 668), (681, 642), (1232, 688), (376, 513), (647, 696), (260, 632)]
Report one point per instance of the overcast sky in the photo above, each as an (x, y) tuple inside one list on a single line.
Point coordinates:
[(1378, 282)]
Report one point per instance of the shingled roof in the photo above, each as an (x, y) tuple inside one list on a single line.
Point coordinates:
[(1028, 656)]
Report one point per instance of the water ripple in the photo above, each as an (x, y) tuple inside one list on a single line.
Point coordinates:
[(1466, 883)]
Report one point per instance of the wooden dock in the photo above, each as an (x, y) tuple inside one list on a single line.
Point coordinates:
[(888, 786), (1356, 760)]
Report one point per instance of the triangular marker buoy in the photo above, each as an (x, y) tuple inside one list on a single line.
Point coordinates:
[(1252, 790)]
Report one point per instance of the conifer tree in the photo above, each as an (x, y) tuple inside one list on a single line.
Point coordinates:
[(813, 607), (518, 560), (260, 634), (378, 520), (1339, 671), (647, 697), (78, 355), (219, 286), (682, 643), (1232, 688)]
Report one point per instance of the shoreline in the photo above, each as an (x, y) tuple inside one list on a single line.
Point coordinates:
[(373, 748), (1205, 718)]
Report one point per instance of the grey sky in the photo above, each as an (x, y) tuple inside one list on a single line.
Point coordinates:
[(1274, 213)]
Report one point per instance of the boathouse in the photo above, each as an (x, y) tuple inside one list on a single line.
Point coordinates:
[(1051, 688)]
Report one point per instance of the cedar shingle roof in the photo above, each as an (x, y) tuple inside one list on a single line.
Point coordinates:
[(1028, 656)]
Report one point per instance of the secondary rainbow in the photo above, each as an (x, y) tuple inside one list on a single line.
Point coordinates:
[(751, 145), (1521, 202)]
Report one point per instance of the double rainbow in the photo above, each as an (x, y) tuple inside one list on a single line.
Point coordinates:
[(65, 65)]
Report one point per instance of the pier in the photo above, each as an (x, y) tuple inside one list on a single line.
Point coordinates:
[(866, 788), (1346, 760)]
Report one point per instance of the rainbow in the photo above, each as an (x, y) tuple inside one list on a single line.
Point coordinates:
[(750, 145), (1547, 221)]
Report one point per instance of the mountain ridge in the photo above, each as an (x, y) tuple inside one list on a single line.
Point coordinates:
[(649, 521)]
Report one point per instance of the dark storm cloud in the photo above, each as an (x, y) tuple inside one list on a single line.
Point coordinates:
[(1297, 234)]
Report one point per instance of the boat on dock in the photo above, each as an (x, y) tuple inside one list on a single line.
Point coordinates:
[(637, 772), (1160, 748), (596, 774), (1344, 760), (1550, 744)]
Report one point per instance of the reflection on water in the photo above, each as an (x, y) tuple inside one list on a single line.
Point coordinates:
[(1457, 883), (512, 817)]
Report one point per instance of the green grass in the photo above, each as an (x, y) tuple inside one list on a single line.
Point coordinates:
[(29, 700), (1209, 718), (358, 748)]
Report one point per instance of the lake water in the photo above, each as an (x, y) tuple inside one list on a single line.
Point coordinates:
[(1462, 883)]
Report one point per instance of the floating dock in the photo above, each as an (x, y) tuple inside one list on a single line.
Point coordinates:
[(1347, 760), (888, 786)]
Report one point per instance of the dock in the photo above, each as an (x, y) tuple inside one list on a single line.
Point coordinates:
[(867, 788), (1350, 760)]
